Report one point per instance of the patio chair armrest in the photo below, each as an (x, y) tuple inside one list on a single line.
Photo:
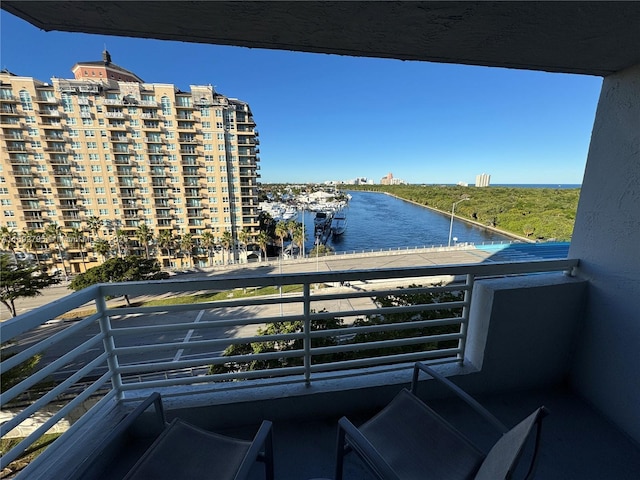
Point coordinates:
[(418, 367), (262, 439), (367, 452)]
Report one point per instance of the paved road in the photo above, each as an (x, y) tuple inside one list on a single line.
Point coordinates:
[(375, 260)]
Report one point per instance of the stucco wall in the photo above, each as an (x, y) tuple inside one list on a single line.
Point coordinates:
[(522, 331), (606, 239)]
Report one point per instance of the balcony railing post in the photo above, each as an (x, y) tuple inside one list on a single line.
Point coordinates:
[(109, 345), (462, 343), (307, 333)]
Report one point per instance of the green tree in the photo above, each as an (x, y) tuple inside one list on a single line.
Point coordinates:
[(54, 235), (299, 237), (122, 242), (186, 245), (281, 232), (244, 237), (320, 250), (94, 224), (18, 279), (208, 241), (76, 240), (32, 241), (144, 236), (227, 241), (127, 269), (263, 240), (166, 241), (9, 239), (102, 247), (279, 328)]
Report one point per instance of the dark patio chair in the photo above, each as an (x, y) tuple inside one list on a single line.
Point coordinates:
[(408, 440), (188, 452)]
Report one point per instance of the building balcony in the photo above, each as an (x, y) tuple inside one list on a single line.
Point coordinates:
[(194, 141), (47, 101), (51, 113), (17, 137), (507, 340), (10, 112), (56, 125), (121, 139), (9, 99), (56, 138), (23, 184), (58, 150), (23, 173), (116, 115)]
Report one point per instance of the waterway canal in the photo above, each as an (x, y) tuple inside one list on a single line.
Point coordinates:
[(377, 221)]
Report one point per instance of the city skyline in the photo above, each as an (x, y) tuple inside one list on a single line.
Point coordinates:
[(325, 116)]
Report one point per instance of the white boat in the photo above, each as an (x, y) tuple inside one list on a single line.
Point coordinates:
[(339, 222)]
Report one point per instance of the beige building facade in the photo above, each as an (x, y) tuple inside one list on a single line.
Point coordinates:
[(108, 145)]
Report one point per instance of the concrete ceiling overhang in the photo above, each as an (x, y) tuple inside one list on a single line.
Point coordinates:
[(593, 38)]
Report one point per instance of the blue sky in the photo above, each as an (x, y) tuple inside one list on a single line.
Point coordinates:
[(329, 117)]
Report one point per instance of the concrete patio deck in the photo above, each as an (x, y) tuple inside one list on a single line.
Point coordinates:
[(577, 443)]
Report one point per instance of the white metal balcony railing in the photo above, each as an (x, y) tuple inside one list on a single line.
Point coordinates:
[(343, 320)]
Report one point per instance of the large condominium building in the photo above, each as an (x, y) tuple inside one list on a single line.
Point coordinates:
[(106, 144), (482, 180)]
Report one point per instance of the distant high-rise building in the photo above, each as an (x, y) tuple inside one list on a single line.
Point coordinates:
[(483, 180), (106, 144), (388, 179)]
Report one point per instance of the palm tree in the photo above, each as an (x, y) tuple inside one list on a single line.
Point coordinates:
[(77, 240), (94, 224), (54, 234), (244, 236), (263, 241), (299, 236), (227, 241), (291, 225), (122, 239), (186, 245), (144, 236), (281, 232), (9, 239), (32, 241), (166, 241), (102, 247), (208, 241)]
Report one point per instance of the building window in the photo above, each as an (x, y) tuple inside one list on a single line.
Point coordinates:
[(67, 104), (166, 105), (25, 101)]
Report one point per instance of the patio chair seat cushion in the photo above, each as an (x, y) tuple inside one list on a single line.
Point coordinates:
[(186, 451), (417, 443)]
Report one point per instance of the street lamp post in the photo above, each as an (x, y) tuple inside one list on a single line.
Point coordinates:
[(453, 209)]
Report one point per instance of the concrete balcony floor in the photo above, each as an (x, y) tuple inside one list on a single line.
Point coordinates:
[(577, 442)]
